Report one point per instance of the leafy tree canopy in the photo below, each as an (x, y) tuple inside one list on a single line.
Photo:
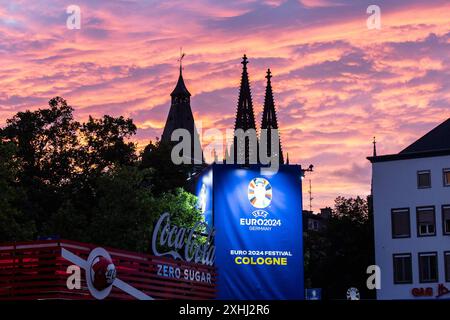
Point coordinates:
[(84, 181)]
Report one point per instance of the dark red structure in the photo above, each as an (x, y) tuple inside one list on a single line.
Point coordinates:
[(37, 270)]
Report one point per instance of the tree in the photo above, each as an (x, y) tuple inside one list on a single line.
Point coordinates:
[(83, 181), (14, 222), (46, 142), (157, 156), (103, 149), (104, 146), (61, 159), (337, 259), (46, 148), (127, 210)]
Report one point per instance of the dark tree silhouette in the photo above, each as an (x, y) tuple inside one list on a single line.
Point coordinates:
[(337, 258), (104, 146), (46, 148), (157, 157), (15, 224), (83, 181)]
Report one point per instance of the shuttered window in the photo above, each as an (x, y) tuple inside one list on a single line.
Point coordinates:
[(426, 222), (401, 226)]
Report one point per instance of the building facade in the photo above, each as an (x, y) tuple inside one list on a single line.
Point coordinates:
[(316, 222), (411, 202)]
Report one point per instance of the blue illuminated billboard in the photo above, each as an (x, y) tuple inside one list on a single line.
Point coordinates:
[(204, 194), (258, 222)]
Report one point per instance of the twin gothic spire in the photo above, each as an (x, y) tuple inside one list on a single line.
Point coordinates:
[(245, 118)]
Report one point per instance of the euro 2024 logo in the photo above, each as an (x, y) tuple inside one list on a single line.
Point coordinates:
[(260, 196)]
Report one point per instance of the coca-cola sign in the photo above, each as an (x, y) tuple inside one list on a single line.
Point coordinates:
[(183, 243)]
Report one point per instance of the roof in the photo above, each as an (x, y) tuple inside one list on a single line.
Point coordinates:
[(436, 139), (180, 88), (433, 144)]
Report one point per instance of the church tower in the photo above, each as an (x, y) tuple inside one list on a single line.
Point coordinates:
[(181, 117), (269, 119), (245, 120)]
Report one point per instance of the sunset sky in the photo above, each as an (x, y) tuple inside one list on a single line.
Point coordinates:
[(336, 83)]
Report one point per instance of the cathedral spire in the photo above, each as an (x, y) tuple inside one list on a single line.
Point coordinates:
[(269, 118), (245, 120)]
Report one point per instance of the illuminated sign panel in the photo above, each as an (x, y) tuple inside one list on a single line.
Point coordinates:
[(258, 222), (204, 194)]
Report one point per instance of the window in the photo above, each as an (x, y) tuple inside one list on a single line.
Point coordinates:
[(446, 177), (424, 179), (401, 226), (447, 266), (313, 225), (426, 223), (402, 268), (446, 219), (428, 269)]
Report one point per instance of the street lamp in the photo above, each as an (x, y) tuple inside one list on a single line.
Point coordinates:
[(310, 169)]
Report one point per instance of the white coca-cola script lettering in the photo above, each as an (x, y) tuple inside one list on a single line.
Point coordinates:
[(176, 239)]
